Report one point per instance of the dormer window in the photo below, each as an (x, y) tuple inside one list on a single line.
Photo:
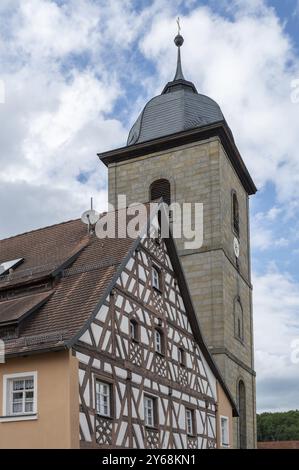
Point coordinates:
[(6, 266)]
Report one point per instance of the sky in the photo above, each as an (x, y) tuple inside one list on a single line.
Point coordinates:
[(74, 75)]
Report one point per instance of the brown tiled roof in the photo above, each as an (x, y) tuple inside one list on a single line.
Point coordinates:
[(76, 267)]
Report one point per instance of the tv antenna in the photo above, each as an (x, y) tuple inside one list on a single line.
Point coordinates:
[(90, 218)]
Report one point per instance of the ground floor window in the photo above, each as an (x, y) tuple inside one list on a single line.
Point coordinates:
[(20, 394), (224, 429)]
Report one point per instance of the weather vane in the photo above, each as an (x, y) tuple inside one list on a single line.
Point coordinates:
[(179, 25)]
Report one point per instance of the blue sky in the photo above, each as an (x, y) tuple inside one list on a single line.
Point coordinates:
[(78, 72)]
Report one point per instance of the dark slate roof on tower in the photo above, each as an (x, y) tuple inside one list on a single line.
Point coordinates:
[(180, 107)]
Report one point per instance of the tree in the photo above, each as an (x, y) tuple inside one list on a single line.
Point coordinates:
[(278, 426)]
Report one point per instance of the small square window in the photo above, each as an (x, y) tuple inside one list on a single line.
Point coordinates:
[(103, 398), (20, 395), (190, 422), (224, 422), (150, 411)]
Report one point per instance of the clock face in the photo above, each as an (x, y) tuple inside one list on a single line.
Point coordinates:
[(236, 247)]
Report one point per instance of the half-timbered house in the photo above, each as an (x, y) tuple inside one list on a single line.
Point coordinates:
[(103, 348)]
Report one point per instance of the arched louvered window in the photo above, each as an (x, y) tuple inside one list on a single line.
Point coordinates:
[(161, 188), (236, 218)]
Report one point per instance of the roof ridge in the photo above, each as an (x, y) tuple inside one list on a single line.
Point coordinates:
[(39, 229), (65, 222)]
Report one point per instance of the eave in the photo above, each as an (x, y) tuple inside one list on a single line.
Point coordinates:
[(219, 129)]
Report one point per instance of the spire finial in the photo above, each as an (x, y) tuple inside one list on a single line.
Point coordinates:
[(179, 82), (179, 41)]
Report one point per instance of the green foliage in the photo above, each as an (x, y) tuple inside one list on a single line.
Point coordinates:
[(278, 426)]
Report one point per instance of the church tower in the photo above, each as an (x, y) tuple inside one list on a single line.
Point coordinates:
[(182, 148)]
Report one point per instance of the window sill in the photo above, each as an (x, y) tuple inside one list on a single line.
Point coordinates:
[(8, 419)]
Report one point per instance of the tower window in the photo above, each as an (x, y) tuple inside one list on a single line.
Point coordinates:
[(242, 415), (161, 189), (238, 314), (235, 211)]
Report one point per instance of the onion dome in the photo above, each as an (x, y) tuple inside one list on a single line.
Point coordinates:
[(179, 108)]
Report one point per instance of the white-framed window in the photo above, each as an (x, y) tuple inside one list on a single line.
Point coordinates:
[(103, 398), (224, 430), (149, 411), (156, 278), (20, 396), (189, 422), (159, 341)]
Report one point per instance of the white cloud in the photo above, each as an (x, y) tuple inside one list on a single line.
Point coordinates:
[(54, 119), (266, 229), (276, 325), (40, 23)]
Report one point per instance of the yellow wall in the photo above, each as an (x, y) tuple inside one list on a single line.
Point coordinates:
[(224, 408), (57, 425)]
